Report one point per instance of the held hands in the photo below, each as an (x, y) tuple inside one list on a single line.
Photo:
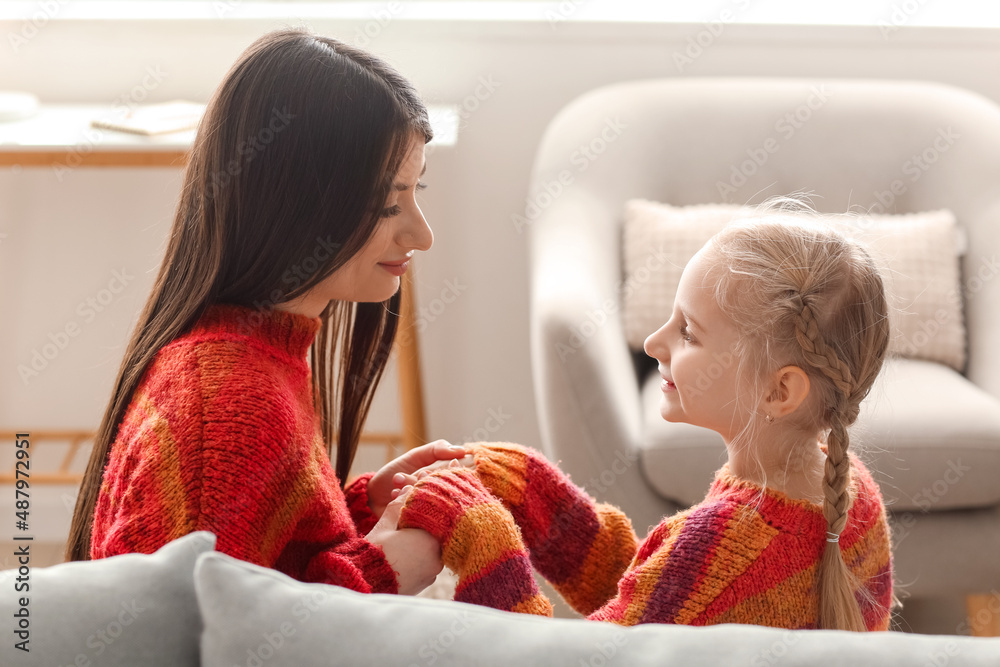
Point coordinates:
[(480, 540), (501, 467), (413, 554), (400, 471), (403, 483)]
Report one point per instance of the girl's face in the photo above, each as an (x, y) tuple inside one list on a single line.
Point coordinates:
[(696, 354), (373, 274)]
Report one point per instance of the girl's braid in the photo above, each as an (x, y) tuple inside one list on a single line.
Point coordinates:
[(843, 413)]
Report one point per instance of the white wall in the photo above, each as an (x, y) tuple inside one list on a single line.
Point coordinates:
[(65, 238)]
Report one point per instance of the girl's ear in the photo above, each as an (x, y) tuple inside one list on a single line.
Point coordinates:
[(790, 387)]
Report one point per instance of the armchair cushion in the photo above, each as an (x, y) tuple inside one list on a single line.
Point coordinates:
[(918, 254), (928, 450)]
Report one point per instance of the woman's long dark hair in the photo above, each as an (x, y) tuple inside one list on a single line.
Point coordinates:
[(289, 173)]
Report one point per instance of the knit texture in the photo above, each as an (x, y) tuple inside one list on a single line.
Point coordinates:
[(221, 435), (479, 540), (745, 554), (580, 546)]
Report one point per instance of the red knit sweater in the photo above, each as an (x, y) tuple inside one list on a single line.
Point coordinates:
[(221, 435)]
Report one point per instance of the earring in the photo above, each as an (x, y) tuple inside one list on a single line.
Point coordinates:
[(768, 418)]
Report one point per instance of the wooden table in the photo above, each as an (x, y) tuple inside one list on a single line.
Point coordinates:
[(60, 135)]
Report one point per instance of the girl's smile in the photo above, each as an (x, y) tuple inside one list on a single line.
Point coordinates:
[(698, 379)]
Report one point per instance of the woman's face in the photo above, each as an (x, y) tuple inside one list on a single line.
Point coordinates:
[(696, 354), (373, 274)]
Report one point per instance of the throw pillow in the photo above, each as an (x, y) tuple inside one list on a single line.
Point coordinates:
[(918, 255)]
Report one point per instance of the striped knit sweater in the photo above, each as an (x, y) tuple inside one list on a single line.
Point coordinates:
[(745, 554), (221, 435)]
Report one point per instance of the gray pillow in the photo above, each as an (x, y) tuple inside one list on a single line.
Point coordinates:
[(132, 609), (262, 618)]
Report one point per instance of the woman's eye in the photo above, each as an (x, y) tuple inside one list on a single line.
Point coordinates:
[(391, 211), (421, 185)]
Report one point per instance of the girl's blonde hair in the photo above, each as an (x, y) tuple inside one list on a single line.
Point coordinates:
[(803, 294)]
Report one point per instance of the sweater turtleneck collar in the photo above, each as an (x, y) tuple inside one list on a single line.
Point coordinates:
[(289, 332)]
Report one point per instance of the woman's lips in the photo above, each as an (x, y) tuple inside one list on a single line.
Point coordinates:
[(395, 268)]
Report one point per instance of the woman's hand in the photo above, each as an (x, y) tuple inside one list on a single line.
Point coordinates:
[(399, 472), (400, 481), (413, 554)]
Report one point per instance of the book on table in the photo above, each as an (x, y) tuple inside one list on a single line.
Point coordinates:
[(149, 119)]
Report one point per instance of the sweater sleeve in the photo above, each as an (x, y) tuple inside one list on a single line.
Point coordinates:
[(479, 541), (356, 495), (683, 569), (269, 500), (580, 546)]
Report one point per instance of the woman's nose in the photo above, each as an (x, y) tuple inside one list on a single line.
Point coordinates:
[(418, 233)]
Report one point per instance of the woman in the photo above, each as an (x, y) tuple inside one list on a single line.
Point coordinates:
[(296, 219)]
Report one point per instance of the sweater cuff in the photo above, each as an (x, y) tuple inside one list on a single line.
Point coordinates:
[(378, 573), (356, 495), (356, 564)]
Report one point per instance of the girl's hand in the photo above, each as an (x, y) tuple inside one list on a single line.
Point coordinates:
[(399, 481), (399, 471), (413, 554)]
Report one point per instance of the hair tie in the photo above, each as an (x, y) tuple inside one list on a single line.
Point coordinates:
[(835, 537)]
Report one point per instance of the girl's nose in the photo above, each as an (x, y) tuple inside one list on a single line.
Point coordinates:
[(655, 346), (652, 344)]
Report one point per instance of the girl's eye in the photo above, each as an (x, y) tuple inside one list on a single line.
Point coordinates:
[(391, 211), (685, 335)]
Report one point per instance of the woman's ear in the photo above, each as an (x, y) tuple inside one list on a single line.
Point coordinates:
[(790, 387)]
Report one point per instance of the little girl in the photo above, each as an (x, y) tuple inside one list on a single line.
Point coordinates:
[(792, 533)]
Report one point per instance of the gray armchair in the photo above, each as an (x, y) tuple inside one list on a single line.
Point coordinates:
[(930, 435)]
